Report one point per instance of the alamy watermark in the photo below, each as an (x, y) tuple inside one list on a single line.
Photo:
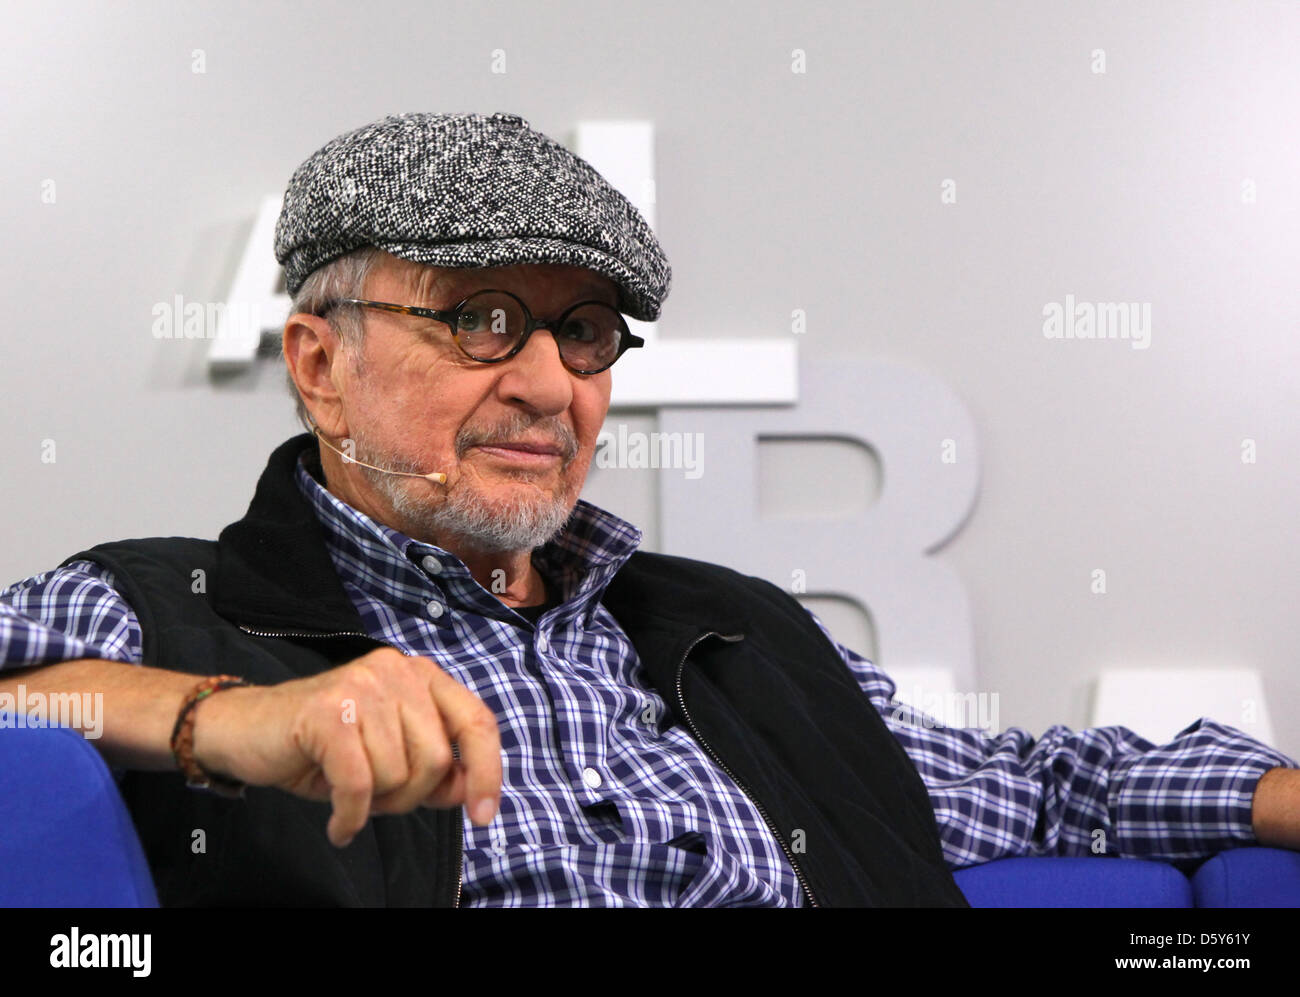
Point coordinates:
[(1072, 319), (937, 710), (83, 711), (181, 319), (676, 451), (76, 950)]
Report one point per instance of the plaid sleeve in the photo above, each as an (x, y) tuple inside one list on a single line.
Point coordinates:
[(68, 613), (1104, 790)]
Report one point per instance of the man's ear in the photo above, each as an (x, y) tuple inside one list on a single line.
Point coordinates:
[(314, 356)]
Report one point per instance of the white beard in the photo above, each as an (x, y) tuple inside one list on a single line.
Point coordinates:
[(498, 526)]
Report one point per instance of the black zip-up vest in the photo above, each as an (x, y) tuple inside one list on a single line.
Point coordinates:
[(739, 662)]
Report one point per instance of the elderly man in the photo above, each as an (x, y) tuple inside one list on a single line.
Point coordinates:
[(434, 676)]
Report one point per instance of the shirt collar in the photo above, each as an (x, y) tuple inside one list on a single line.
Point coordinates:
[(386, 563)]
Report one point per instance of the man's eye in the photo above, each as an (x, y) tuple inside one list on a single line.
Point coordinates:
[(580, 331), (495, 320)]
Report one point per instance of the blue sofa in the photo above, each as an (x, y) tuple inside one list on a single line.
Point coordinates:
[(66, 840)]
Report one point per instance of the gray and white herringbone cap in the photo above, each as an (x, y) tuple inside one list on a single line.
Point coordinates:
[(466, 190)]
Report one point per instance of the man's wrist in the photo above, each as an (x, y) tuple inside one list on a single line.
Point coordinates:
[(212, 719)]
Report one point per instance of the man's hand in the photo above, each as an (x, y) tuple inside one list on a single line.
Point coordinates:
[(373, 736), (1275, 811)]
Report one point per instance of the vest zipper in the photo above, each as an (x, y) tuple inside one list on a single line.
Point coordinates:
[(458, 837), (296, 633), (460, 862), (681, 702), (460, 841)]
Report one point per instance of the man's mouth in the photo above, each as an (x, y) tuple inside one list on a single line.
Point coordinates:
[(532, 452)]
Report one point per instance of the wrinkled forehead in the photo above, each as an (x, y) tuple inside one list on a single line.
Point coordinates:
[(443, 286)]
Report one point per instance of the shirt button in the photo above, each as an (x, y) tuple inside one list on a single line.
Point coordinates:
[(435, 609), (591, 777), (432, 564)]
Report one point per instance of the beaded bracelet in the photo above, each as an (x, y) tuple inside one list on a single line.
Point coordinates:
[(183, 740)]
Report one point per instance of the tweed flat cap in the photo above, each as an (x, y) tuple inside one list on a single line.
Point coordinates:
[(466, 190)]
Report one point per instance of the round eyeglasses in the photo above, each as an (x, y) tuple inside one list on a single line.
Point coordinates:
[(492, 326)]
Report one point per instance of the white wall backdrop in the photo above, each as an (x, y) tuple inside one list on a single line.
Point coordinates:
[(923, 181)]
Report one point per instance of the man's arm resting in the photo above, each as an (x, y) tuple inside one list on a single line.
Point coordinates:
[(377, 735), (139, 705), (1275, 811)]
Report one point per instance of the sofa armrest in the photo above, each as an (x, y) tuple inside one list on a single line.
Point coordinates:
[(1249, 877), (66, 838), (1074, 882)]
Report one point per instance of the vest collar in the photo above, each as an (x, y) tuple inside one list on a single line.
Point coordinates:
[(273, 570), (273, 566)]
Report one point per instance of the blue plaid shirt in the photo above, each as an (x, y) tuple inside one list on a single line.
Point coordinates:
[(606, 802)]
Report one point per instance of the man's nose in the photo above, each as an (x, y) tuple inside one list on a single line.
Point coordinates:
[(537, 377)]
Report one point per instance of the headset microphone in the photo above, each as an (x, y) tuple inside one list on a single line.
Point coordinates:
[(437, 476)]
